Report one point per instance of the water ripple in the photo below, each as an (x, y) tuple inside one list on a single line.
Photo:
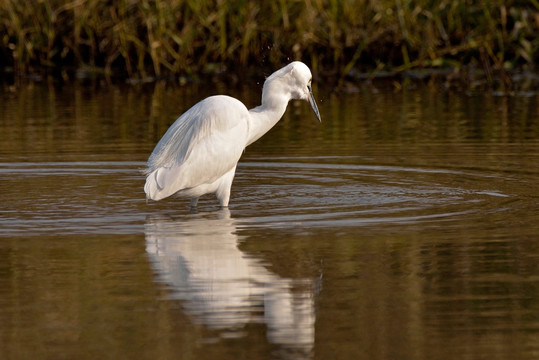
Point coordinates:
[(107, 196)]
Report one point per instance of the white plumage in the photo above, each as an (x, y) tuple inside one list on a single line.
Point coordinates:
[(199, 152)]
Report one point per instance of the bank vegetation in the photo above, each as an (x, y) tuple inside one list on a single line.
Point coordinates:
[(172, 38)]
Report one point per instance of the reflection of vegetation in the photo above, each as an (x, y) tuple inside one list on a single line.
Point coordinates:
[(124, 121), (143, 37)]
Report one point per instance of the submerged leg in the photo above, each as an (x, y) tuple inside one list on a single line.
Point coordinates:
[(223, 192), (224, 202), (223, 195), (194, 202)]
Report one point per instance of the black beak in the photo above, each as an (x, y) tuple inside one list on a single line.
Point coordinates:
[(313, 103)]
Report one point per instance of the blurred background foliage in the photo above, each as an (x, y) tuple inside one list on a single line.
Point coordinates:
[(167, 38)]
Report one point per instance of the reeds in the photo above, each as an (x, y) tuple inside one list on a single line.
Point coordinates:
[(140, 38)]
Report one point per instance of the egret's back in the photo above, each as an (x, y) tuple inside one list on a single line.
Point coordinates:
[(200, 147)]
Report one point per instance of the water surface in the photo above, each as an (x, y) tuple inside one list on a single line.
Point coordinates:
[(404, 226)]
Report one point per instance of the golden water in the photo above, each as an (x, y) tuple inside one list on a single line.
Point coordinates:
[(405, 226)]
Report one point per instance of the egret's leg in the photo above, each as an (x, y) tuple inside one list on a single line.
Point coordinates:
[(224, 201), (194, 202), (223, 192)]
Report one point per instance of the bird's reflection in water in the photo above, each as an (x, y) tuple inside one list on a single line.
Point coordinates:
[(223, 287)]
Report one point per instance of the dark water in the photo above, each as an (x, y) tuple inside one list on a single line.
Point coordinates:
[(405, 226)]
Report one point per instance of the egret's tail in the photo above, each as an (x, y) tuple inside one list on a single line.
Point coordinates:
[(158, 183)]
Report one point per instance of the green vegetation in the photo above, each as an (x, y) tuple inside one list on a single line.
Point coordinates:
[(141, 38)]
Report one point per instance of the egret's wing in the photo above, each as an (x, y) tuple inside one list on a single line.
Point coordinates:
[(200, 147)]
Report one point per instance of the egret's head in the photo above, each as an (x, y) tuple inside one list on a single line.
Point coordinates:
[(295, 78)]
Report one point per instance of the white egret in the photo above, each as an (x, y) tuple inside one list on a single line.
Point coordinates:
[(199, 152)]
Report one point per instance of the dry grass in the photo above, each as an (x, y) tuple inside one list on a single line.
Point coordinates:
[(140, 38)]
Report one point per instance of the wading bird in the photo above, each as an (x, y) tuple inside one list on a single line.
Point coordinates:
[(199, 152)]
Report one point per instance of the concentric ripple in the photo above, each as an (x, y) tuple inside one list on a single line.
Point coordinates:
[(334, 193), (107, 197)]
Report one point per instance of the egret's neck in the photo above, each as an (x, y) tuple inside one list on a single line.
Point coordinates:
[(265, 116)]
